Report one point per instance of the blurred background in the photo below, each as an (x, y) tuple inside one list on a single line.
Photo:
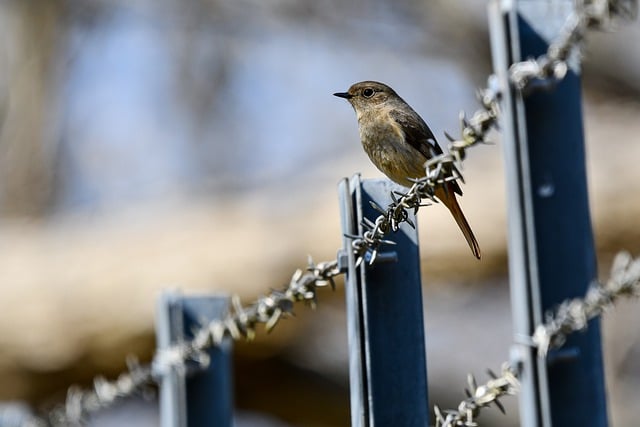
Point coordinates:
[(195, 144)]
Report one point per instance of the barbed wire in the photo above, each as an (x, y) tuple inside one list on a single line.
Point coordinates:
[(79, 403), (552, 67), (479, 397), (569, 317), (242, 322), (574, 315)]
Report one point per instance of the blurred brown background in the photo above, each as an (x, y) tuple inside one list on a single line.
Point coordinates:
[(195, 144)]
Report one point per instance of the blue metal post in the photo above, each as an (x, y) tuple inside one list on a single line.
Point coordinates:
[(551, 251), (387, 361), (192, 397)]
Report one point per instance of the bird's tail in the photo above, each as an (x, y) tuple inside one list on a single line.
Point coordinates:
[(448, 198)]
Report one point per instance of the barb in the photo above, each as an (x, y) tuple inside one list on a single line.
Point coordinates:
[(479, 397), (570, 316), (552, 67)]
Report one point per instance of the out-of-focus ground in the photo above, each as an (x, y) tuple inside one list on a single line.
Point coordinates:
[(196, 145)]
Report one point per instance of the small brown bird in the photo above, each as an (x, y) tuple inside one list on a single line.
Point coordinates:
[(399, 143)]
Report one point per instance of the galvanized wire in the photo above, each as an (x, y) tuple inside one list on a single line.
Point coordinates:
[(569, 317)]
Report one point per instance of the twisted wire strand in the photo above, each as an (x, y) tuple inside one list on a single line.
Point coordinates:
[(241, 323), (479, 397)]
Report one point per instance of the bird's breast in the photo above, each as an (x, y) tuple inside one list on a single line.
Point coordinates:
[(384, 142)]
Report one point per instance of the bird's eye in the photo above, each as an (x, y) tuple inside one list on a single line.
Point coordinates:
[(368, 92)]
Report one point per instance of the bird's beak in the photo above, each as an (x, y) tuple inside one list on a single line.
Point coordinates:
[(345, 95)]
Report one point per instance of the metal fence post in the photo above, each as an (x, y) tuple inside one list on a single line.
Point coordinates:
[(192, 397), (387, 361), (551, 251)]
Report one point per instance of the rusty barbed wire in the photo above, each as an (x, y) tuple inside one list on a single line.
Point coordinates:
[(552, 67), (569, 317)]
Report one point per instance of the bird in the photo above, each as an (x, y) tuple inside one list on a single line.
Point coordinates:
[(399, 142)]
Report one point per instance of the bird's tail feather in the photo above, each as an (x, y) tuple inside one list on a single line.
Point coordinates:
[(448, 198)]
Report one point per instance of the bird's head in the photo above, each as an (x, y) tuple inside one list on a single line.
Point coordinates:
[(367, 95)]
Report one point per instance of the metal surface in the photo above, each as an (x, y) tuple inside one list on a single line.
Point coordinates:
[(197, 392), (551, 254), (385, 318)]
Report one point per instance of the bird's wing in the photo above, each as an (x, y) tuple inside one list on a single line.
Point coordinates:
[(420, 137), (417, 133)]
